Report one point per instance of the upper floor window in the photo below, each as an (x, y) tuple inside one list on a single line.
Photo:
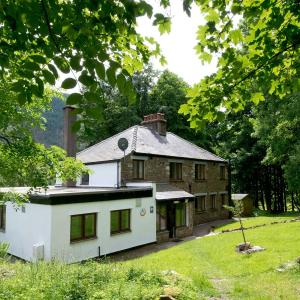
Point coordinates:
[(119, 221), (83, 227), (200, 171), (138, 169), (85, 179), (2, 217), (200, 204), (222, 172), (213, 201), (175, 171)]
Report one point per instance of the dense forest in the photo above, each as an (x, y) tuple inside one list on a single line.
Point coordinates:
[(261, 142)]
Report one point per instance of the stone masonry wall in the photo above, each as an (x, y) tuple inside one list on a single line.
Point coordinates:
[(157, 169)]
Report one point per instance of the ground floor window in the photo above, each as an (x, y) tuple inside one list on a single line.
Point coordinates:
[(180, 214), (161, 217), (2, 217), (119, 221), (83, 226), (213, 201), (223, 200), (200, 203)]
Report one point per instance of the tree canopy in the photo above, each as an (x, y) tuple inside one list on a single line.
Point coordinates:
[(257, 46), (89, 40), (23, 161)]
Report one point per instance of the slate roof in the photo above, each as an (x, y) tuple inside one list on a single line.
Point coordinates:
[(166, 191), (143, 140)]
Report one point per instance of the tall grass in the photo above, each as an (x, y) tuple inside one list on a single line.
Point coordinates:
[(91, 280)]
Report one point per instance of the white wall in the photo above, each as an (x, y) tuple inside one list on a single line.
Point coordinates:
[(104, 175), (27, 228), (143, 229)]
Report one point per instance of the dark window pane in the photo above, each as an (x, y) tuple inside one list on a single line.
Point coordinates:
[(85, 179), (89, 228), (161, 217), (138, 169), (76, 227), (175, 171), (114, 221), (2, 216), (125, 220), (180, 214)]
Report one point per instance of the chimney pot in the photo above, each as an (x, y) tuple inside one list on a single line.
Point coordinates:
[(156, 122)]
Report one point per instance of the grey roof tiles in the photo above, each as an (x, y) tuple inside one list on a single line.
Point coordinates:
[(143, 140)]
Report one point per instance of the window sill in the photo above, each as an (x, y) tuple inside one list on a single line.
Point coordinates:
[(162, 231), (83, 240), (119, 233), (200, 180), (176, 180), (201, 211), (181, 227)]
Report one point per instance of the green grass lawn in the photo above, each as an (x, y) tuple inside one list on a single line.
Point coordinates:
[(259, 218), (217, 270), (208, 267)]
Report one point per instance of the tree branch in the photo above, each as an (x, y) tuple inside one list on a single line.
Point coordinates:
[(52, 36), (261, 66)]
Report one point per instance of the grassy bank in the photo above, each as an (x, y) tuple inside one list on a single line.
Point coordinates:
[(204, 268), (259, 218), (218, 270), (92, 280)]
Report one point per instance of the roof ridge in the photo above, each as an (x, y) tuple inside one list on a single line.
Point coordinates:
[(134, 138), (196, 146), (107, 139)]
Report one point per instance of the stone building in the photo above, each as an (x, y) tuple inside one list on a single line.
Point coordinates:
[(191, 182)]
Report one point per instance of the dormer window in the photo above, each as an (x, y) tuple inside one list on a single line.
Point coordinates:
[(85, 179)]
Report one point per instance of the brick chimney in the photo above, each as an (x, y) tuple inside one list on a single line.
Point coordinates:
[(69, 137), (156, 122)]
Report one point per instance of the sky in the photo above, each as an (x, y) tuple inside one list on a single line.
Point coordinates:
[(178, 45)]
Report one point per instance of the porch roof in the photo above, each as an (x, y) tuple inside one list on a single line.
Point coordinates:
[(165, 191)]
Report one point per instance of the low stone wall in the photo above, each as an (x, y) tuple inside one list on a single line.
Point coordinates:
[(162, 236), (184, 231), (210, 215)]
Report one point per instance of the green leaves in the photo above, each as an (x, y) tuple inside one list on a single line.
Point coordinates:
[(100, 70), (75, 63), (74, 98), (86, 79), (38, 59), (62, 64), (111, 76), (236, 36), (257, 97), (49, 77), (53, 70), (68, 83), (164, 23)]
